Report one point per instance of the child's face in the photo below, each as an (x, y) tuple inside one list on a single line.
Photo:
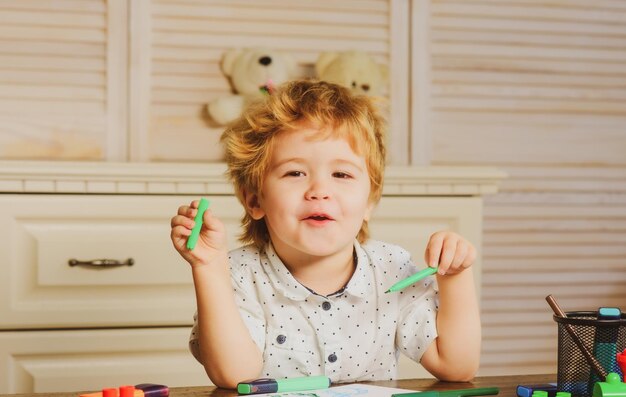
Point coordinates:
[(315, 195)]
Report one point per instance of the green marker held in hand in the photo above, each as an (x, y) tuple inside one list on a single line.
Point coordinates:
[(195, 232), (402, 284)]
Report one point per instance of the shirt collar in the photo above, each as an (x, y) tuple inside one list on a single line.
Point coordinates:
[(360, 284), (281, 277)]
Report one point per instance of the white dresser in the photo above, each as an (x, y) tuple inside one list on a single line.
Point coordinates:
[(84, 327)]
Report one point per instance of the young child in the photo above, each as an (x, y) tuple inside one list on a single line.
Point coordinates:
[(307, 295)]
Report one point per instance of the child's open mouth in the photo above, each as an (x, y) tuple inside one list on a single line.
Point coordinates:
[(319, 218)]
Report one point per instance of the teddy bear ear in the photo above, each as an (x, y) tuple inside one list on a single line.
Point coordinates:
[(228, 60), (323, 61)]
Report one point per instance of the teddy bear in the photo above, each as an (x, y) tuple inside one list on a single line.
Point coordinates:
[(252, 74), (353, 69)]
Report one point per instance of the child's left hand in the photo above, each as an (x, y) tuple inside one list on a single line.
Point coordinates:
[(451, 252)]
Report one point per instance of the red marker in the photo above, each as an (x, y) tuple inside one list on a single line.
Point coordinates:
[(621, 361)]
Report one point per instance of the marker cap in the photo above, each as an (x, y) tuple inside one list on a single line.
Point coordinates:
[(109, 392), (127, 391)]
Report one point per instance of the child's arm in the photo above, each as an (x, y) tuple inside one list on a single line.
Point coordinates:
[(227, 351), (455, 354)]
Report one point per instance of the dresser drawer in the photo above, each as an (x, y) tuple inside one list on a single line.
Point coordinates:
[(50, 361), (42, 233)]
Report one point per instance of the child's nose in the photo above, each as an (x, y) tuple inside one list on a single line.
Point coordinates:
[(317, 191), (315, 196)]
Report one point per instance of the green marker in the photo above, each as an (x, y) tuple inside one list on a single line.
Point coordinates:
[(269, 385), (479, 391), (612, 387), (402, 284), (195, 232)]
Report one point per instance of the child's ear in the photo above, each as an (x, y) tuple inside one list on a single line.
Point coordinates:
[(252, 206)]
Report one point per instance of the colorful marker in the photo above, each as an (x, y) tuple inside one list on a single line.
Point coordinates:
[(123, 391), (613, 386), (140, 390), (402, 284), (605, 342), (528, 390), (269, 385), (195, 232), (621, 361), (153, 390)]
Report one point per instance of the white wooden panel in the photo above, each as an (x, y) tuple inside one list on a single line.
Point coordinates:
[(42, 232), (557, 231), (55, 361), (537, 88), (142, 72), (178, 45), (117, 81), (498, 69), (63, 80), (421, 76)]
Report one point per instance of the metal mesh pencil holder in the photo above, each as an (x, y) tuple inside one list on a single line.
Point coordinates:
[(602, 338)]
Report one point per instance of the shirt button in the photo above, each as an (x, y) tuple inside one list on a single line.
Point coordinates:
[(281, 339), (326, 305), (332, 358)]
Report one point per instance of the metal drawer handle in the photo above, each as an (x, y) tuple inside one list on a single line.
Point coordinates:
[(101, 263)]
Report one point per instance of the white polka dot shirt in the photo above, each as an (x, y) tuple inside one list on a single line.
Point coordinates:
[(355, 334)]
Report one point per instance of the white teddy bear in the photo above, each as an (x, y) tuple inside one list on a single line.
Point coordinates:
[(252, 73), (353, 69)]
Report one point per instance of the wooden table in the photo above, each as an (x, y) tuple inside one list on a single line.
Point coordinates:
[(507, 385)]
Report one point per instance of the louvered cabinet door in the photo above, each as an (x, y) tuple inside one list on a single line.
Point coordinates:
[(130, 80), (63, 80), (177, 48)]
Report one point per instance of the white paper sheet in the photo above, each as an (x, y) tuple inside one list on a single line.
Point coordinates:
[(351, 390)]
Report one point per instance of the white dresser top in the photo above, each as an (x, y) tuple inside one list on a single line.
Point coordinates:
[(209, 178)]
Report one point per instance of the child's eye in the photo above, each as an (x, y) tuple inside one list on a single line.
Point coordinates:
[(294, 173), (341, 175)]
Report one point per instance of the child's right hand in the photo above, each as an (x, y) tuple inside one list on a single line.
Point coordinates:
[(211, 245)]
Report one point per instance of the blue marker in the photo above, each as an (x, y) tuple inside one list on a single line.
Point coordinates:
[(527, 390), (605, 342)]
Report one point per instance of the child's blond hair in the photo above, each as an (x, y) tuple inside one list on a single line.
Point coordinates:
[(330, 108)]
